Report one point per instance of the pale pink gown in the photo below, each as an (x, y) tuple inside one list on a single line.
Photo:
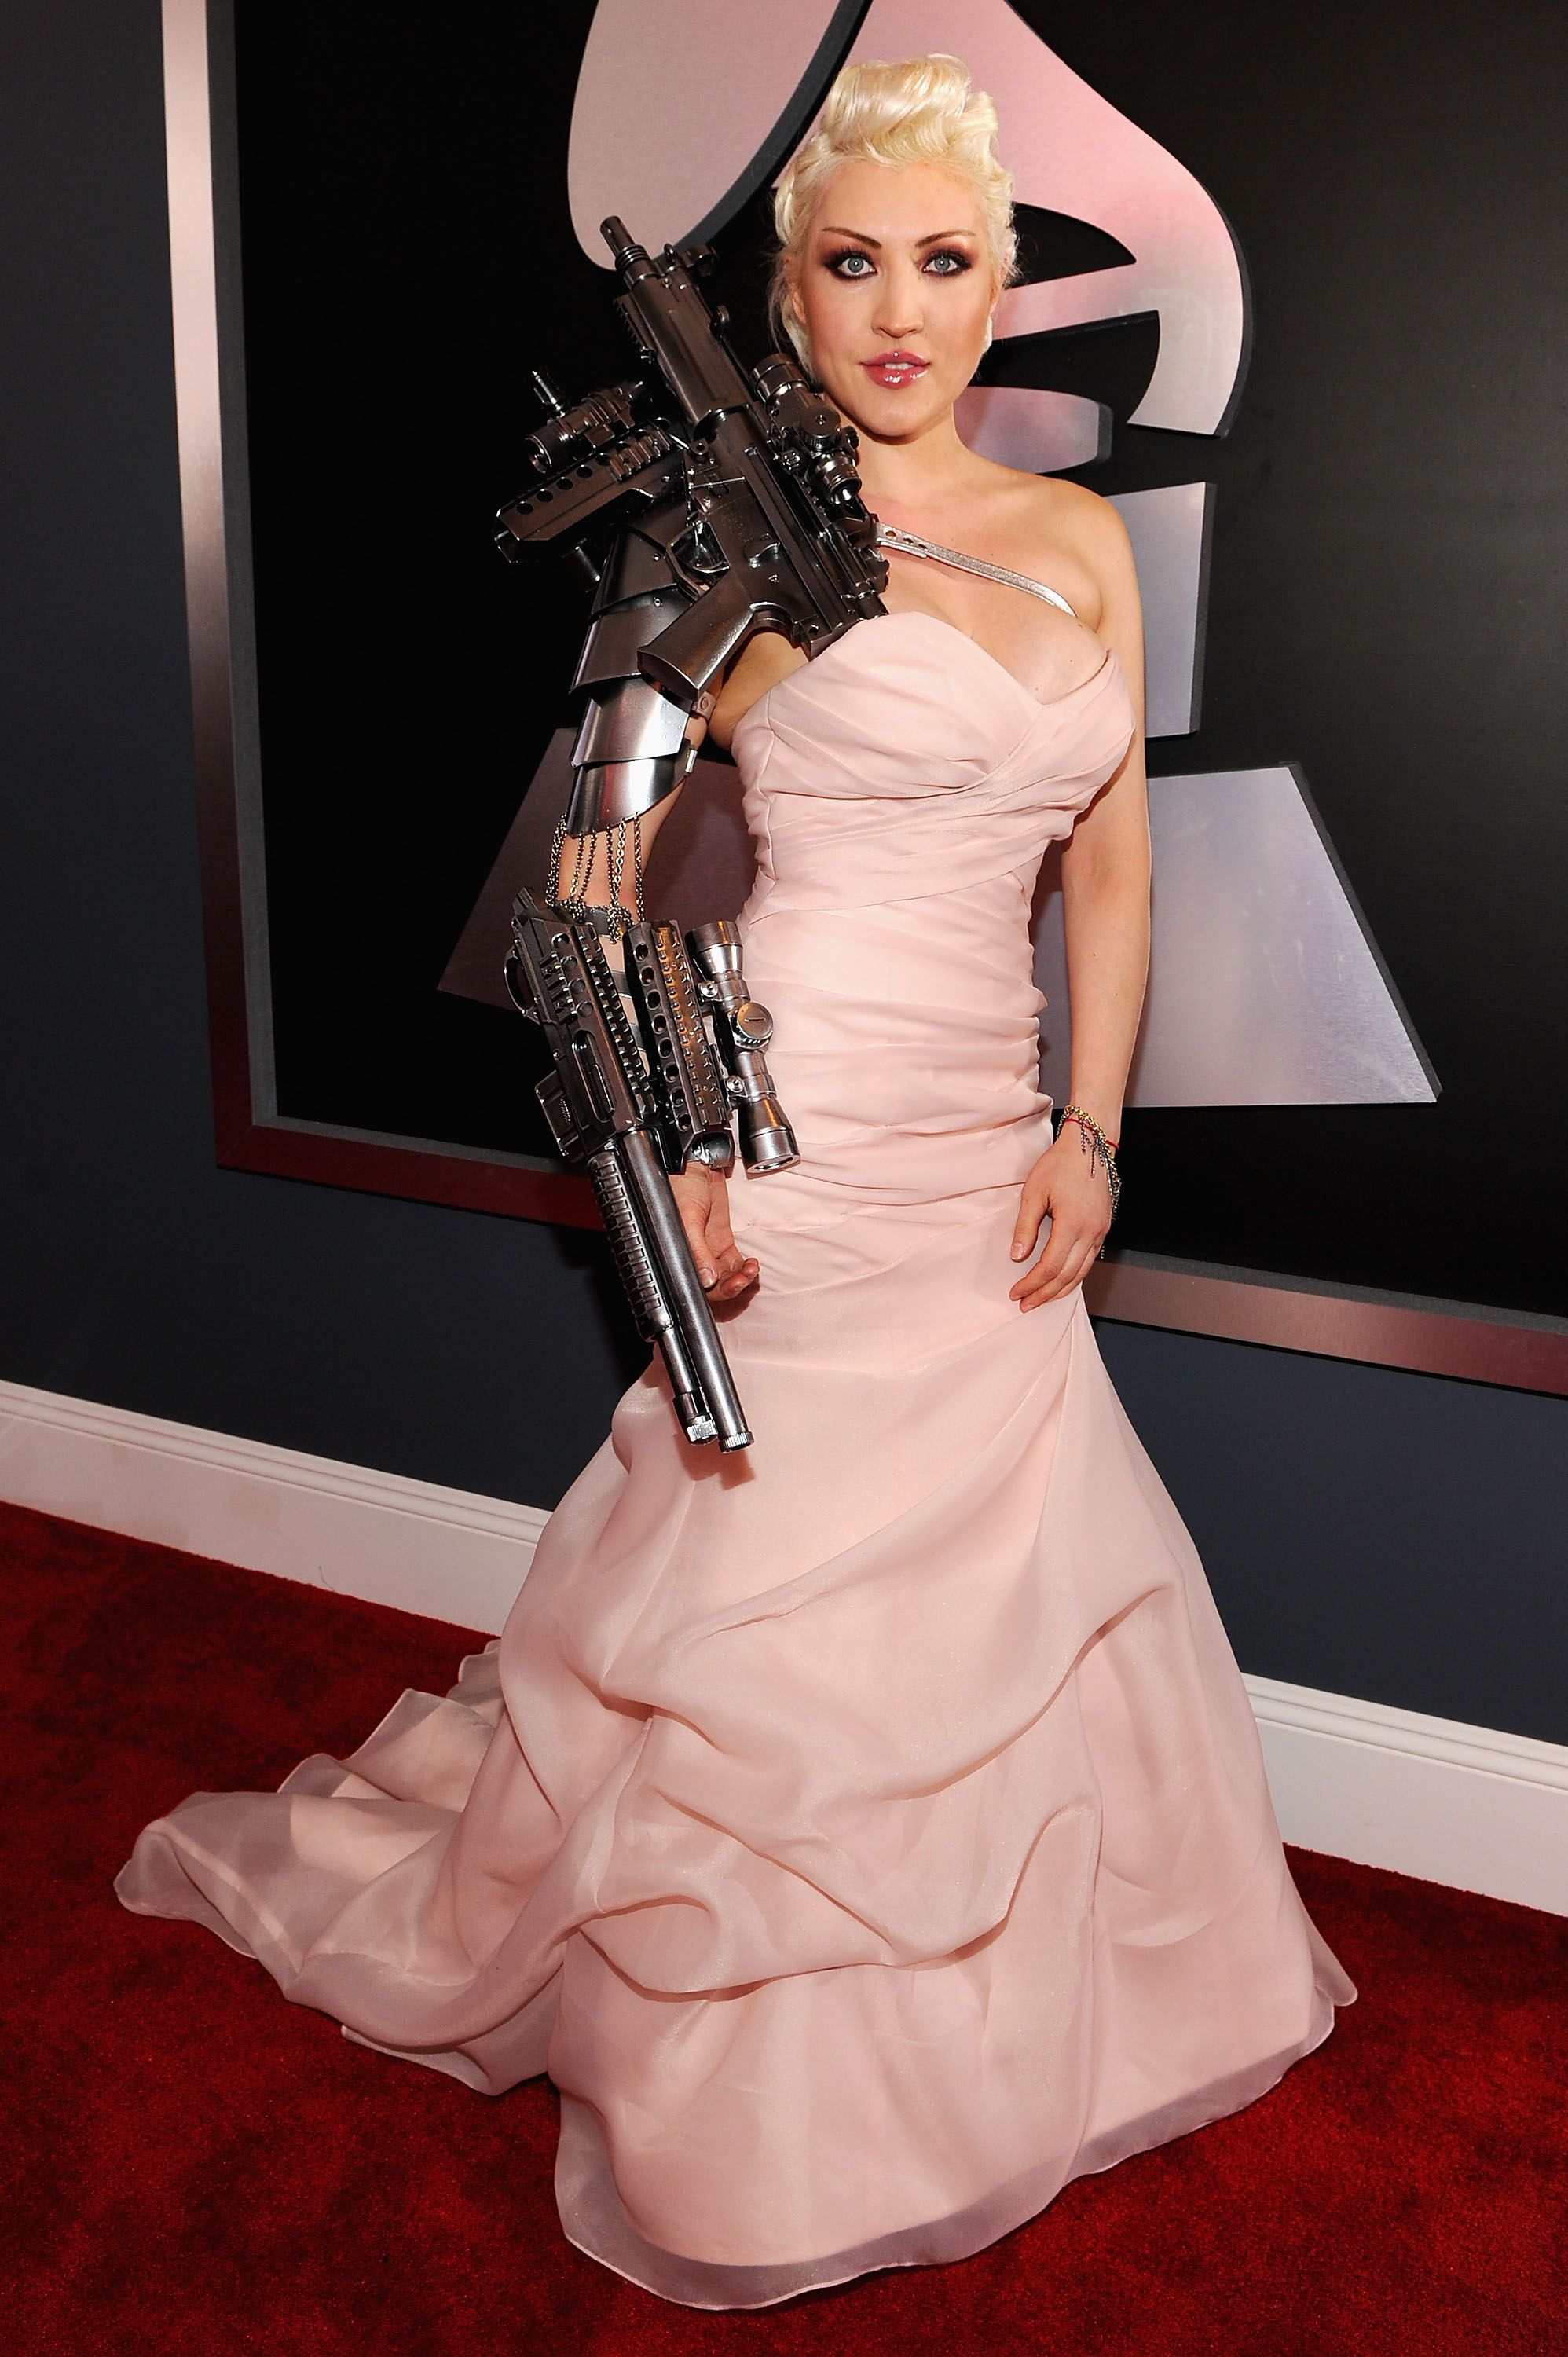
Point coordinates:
[(867, 1831)]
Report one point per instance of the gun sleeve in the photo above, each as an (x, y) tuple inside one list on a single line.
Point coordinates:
[(597, 1101)]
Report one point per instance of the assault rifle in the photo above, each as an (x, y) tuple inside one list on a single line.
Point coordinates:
[(704, 501)]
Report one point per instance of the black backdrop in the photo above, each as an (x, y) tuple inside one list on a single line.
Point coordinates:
[(1388, 588)]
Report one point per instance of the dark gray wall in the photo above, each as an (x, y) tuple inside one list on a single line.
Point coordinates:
[(1370, 1532), (1367, 1532)]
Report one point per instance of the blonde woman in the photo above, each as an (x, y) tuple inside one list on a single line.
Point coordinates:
[(870, 1835)]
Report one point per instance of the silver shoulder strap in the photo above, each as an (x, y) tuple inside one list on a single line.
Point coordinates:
[(910, 544)]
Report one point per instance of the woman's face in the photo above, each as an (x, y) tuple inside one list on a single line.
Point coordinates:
[(894, 289)]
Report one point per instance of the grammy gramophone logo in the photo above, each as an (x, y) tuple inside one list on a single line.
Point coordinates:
[(1265, 985)]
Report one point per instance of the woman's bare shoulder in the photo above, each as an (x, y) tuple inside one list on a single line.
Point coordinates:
[(1072, 520), (1070, 514), (1061, 533)]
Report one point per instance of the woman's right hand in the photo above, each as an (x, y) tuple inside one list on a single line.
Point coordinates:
[(702, 1198)]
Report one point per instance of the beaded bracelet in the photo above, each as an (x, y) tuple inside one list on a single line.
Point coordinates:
[(1096, 1143)]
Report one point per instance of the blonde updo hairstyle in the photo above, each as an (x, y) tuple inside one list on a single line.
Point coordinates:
[(920, 112)]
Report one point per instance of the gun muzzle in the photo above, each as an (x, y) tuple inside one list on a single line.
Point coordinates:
[(623, 246)]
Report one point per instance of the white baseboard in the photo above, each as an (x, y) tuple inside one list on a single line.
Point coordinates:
[(1469, 1806), (446, 1552)]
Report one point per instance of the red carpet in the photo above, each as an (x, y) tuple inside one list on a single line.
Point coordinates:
[(198, 2168)]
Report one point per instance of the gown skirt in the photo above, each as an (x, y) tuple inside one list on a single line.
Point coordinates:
[(867, 1831)]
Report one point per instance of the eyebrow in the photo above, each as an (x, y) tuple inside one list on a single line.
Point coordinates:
[(938, 237)]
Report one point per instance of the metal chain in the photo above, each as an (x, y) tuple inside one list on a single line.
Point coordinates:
[(614, 915), (617, 861)]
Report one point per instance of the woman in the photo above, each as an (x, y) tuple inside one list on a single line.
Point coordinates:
[(869, 1834)]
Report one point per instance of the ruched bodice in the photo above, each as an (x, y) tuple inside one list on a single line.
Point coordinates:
[(906, 761), (901, 790), (867, 1831)]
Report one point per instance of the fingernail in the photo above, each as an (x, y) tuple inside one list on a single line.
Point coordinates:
[(706, 1276), (1017, 1252)]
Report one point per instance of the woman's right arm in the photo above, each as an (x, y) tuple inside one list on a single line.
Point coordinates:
[(702, 1196)]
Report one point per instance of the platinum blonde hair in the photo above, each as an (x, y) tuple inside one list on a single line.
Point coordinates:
[(922, 111)]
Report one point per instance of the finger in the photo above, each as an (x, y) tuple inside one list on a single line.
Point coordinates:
[(721, 1235), (1057, 1275), (1076, 1268), (1050, 1275), (1078, 1264), (732, 1269), (1026, 1227), (695, 1223), (736, 1270), (1052, 1260)]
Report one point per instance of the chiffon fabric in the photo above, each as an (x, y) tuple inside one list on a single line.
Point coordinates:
[(867, 1831)]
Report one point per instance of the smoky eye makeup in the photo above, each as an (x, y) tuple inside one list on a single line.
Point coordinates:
[(944, 261), (836, 262)]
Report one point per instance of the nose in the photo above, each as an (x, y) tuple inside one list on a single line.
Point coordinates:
[(899, 311)]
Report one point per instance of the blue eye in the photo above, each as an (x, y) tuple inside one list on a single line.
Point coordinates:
[(852, 264)]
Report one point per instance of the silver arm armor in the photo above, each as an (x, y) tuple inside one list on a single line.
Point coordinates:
[(635, 745)]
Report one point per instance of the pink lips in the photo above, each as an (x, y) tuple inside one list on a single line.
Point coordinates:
[(894, 369)]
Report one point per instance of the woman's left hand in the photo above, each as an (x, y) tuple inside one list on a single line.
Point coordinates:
[(1070, 1186)]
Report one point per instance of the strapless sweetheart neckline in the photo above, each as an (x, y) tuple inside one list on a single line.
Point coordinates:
[(1039, 704)]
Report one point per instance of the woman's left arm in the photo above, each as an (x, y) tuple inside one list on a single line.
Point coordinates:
[(1105, 910)]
